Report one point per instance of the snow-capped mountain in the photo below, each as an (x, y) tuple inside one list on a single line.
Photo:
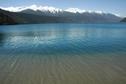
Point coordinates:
[(32, 7), (75, 10), (40, 14), (48, 9)]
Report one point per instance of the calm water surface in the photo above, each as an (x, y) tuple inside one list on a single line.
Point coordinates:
[(63, 54)]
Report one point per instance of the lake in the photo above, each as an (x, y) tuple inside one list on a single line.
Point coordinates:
[(63, 54)]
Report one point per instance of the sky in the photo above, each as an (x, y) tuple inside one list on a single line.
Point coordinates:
[(110, 6)]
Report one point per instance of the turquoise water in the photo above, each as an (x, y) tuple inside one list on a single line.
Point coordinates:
[(63, 54), (63, 38)]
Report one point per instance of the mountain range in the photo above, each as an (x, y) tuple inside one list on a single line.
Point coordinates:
[(123, 20), (40, 14)]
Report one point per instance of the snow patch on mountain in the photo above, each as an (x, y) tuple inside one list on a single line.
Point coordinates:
[(12, 9), (32, 7), (75, 10), (50, 9)]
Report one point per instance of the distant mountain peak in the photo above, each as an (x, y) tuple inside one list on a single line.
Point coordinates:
[(49, 9), (35, 14), (75, 10), (33, 7)]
